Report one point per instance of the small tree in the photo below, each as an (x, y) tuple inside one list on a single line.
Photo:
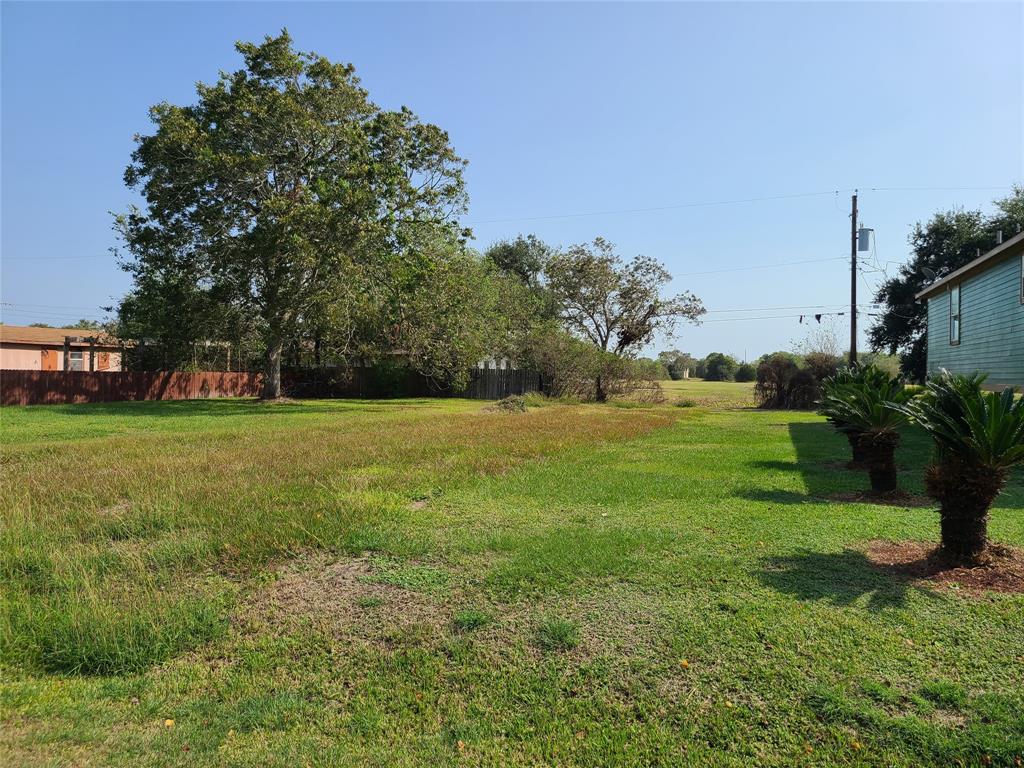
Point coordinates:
[(978, 437), (617, 306), (720, 367)]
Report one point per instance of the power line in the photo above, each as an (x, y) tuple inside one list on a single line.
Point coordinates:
[(802, 306), (53, 258), (678, 206), (759, 266), (773, 317), (738, 201), (935, 189), (49, 306)]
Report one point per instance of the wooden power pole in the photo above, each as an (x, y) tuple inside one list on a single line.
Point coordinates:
[(853, 280)]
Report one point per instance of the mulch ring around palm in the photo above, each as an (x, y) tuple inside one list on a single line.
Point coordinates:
[(925, 565), (892, 499)]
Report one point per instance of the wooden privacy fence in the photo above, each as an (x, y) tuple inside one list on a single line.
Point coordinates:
[(496, 383), (53, 387), (56, 387), (484, 383)]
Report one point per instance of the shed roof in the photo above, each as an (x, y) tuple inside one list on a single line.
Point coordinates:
[(1008, 248), (20, 334)]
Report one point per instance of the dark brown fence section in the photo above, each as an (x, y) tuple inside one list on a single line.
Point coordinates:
[(55, 387), (494, 384), (58, 387), (484, 383)]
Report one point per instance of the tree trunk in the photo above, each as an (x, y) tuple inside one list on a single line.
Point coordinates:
[(272, 371), (879, 451), (853, 437), (965, 494), (600, 395)]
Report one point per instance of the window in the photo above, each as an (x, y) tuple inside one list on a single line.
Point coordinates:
[(954, 315), (76, 361)]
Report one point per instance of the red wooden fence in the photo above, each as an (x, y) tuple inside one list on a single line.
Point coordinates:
[(53, 387)]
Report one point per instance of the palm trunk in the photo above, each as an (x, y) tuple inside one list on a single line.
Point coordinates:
[(853, 437), (272, 370), (879, 451), (965, 494)]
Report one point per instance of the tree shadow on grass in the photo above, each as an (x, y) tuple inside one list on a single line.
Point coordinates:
[(776, 466), (840, 578), (821, 455), (778, 496)]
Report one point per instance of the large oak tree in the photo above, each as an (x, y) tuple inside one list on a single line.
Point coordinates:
[(281, 189)]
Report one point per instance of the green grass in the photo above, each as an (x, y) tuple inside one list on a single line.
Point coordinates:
[(713, 394), (432, 582), (554, 634)]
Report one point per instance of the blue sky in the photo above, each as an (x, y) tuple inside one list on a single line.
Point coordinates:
[(560, 109)]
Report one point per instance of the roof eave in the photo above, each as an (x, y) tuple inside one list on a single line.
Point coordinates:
[(1004, 249)]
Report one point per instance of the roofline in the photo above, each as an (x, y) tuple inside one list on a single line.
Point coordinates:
[(1004, 249), (60, 344)]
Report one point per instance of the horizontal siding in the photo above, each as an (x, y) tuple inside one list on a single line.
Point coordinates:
[(991, 327)]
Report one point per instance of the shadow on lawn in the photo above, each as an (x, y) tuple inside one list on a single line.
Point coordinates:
[(821, 455), (838, 578)]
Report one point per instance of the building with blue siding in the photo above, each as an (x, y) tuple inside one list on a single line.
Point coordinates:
[(976, 317)]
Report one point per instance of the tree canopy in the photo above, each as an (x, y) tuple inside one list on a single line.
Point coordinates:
[(617, 306), (281, 193)]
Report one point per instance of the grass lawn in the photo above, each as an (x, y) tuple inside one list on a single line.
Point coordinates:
[(714, 394), (428, 582)]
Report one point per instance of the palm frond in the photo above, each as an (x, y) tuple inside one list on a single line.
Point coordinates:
[(983, 428)]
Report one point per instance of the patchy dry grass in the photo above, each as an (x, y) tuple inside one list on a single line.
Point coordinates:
[(709, 394), (430, 583)]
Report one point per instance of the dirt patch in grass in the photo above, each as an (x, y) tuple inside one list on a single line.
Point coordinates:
[(342, 597), (926, 565), (894, 499)]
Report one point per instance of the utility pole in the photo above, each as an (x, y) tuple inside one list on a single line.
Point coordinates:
[(853, 280)]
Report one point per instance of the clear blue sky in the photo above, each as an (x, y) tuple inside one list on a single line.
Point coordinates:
[(560, 109)]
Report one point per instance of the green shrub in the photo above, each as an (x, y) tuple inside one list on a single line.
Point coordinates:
[(746, 372), (512, 404), (570, 367), (779, 384)]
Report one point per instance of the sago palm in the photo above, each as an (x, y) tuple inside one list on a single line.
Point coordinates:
[(978, 437), (830, 386), (866, 405)]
